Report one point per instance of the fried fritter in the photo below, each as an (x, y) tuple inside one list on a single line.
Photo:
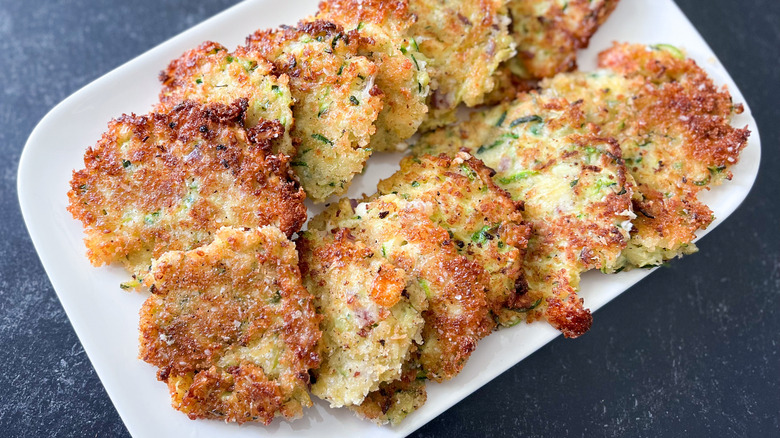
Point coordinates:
[(168, 181), (336, 101), (369, 322), (455, 289), (464, 41), (403, 77), (548, 33), (211, 74), (481, 218), (576, 192), (672, 123), (231, 327), (417, 246)]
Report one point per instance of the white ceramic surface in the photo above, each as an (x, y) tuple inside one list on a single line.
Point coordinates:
[(106, 318)]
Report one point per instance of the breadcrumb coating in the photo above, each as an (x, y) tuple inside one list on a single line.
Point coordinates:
[(402, 75), (168, 181), (576, 191), (211, 74), (414, 249), (336, 98), (231, 328), (673, 126)]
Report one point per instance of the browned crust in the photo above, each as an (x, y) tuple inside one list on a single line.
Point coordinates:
[(162, 150), (498, 208), (255, 397), (212, 301), (450, 336), (268, 42), (353, 12), (183, 66), (681, 101), (687, 98)]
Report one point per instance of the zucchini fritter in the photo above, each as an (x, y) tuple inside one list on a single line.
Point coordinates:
[(548, 33), (403, 77), (482, 219), (456, 288), (464, 41), (369, 321), (231, 327), (336, 101), (420, 240), (576, 192), (210, 74), (673, 127), (168, 181)]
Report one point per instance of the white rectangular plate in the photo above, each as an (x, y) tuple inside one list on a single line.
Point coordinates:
[(106, 318)]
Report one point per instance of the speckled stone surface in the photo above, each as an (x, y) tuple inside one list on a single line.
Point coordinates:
[(690, 351)]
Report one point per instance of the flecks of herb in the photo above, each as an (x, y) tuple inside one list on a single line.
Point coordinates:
[(531, 307), (501, 119), (517, 177), (526, 119), (321, 138)]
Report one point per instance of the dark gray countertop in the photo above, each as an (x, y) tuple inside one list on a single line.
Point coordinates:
[(690, 351)]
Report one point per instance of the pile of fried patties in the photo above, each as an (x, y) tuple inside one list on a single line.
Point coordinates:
[(488, 223)]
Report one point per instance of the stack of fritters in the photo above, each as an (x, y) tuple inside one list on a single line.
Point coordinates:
[(228, 323), (576, 191), (672, 124), (416, 293), (653, 128)]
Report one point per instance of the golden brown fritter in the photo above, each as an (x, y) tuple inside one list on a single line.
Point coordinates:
[(420, 241), (402, 76), (452, 288), (481, 218), (231, 327), (456, 288), (464, 42), (162, 182), (336, 101), (548, 33), (576, 192), (369, 322), (211, 74), (672, 123)]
